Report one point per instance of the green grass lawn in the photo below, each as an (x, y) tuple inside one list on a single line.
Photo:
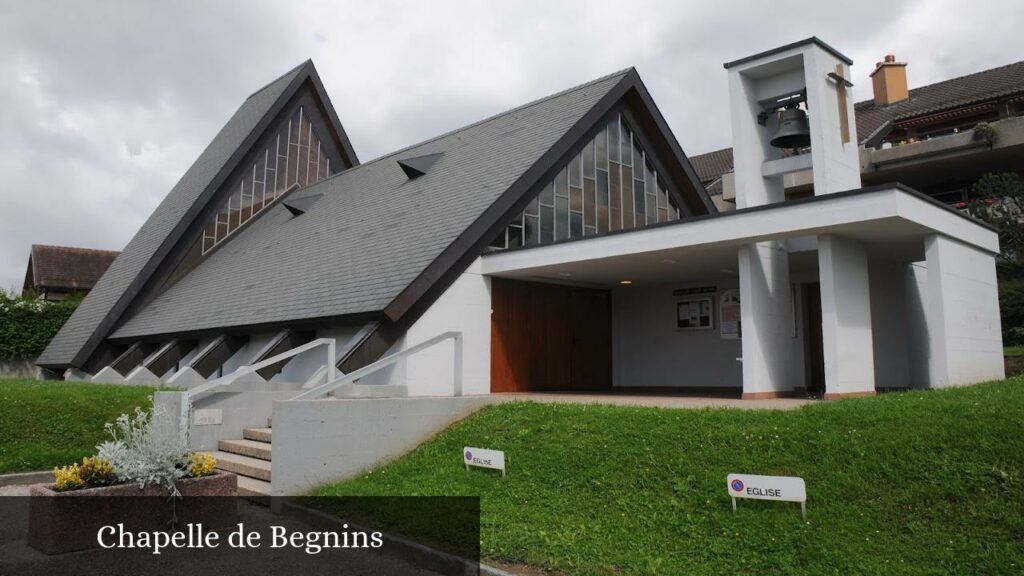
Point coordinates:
[(46, 423), (909, 483)]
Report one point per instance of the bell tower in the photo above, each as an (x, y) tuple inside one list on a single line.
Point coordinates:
[(792, 110)]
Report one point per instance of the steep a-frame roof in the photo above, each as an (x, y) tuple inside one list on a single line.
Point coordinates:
[(101, 309), (376, 241)]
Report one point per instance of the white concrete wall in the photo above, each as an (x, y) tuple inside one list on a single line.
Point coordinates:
[(327, 440), (767, 316), (918, 340), (890, 334), (464, 307), (966, 344), (846, 316), (245, 354), (300, 368), (648, 350)]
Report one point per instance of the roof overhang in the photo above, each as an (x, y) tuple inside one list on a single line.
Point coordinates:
[(892, 218)]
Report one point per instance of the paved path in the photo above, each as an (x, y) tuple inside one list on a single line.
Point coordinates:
[(620, 399)]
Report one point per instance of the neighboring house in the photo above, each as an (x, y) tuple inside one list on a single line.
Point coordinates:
[(568, 240), (55, 272), (921, 137)]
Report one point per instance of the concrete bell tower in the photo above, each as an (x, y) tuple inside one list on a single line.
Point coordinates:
[(809, 75)]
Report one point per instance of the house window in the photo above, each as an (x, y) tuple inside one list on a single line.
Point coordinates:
[(292, 157), (611, 184)]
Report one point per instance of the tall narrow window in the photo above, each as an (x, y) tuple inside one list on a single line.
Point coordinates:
[(611, 184), (293, 155)]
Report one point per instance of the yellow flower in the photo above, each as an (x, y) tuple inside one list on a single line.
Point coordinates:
[(202, 464), (67, 478)]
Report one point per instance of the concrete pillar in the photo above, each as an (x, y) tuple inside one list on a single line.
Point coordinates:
[(964, 330), (766, 313), (846, 318)]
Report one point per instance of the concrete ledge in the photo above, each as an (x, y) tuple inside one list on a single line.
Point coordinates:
[(25, 478), (840, 395), (767, 395)]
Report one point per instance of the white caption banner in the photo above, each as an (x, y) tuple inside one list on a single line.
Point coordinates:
[(483, 458), (784, 488)]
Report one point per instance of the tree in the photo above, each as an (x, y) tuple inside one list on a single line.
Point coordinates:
[(999, 201)]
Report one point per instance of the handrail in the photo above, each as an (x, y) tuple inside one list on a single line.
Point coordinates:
[(386, 361), (243, 370)]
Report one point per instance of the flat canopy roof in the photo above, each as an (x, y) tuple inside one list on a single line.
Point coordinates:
[(890, 220), (811, 40)]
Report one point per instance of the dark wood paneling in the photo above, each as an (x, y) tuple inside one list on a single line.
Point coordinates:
[(549, 337), (169, 356), (132, 357), (282, 342), (216, 354)]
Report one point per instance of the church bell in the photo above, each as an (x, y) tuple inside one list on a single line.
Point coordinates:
[(793, 132)]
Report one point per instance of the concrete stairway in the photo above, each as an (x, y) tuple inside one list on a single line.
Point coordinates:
[(249, 458)]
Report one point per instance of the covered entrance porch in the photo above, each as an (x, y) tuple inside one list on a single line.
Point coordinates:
[(833, 296)]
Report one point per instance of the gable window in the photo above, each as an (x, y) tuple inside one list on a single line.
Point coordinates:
[(292, 157), (610, 185)]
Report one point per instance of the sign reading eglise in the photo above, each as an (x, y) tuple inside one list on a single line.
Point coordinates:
[(480, 457), (785, 488)]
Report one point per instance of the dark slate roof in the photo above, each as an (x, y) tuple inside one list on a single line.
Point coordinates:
[(371, 233), (950, 94), (70, 345), (67, 267)]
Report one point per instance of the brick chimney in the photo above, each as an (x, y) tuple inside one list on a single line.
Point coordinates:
[(890, 81)]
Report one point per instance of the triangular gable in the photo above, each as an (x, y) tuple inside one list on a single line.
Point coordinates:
[(629, 97), (127, 276)]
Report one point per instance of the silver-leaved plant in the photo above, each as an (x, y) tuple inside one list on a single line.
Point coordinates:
[(147, 449)]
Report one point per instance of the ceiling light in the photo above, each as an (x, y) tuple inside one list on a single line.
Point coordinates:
[(625, 282), (669, 261), (564, 274)]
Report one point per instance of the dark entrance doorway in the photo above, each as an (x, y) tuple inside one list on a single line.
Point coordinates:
[(815, 345), (547, 337)]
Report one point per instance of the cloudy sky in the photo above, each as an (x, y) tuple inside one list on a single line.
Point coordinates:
[(103, 105)]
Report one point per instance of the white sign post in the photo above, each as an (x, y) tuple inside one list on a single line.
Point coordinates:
[(482, 458), (784, 488)]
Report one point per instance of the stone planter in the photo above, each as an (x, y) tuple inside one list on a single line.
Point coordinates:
[(61, 522)]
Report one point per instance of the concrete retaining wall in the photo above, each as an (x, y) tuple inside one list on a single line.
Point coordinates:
[(319, 441)]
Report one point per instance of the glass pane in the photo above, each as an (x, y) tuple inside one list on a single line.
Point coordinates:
[(532, 229), (602, 201), (627, 197), (499, 242), (575, 199), (561, 218), (589, 230), (547, 224), (575, 171), (515, 236), (662, 214), (589, 201), (662, 196), (641, 201), (652, 208), (588, 160), (547, 194), (601, 149), (533, 206), (638, 158), (615, 194), (576, 224), (613, 141), (562, 183), (626, 145), (649, 178)]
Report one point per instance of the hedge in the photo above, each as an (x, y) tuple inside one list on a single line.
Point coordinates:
[(27, 324)]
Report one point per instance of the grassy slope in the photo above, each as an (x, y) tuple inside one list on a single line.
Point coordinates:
[(912, 483), (44, 424)]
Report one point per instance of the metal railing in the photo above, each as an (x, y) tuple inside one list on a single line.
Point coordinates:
[(331, 385), (251, 368)]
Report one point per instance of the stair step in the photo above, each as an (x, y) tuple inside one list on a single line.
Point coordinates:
[(243, 465), (251, 487), (258, 434), (252, 448)]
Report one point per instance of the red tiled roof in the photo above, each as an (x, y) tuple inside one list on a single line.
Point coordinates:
[(68, 267)]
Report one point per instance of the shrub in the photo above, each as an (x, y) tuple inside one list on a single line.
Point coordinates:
[(96, 472), (27, 324), (67, 478), (145, 451), (203, 464)]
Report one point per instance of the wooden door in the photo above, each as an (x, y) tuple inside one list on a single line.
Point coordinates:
[(590, 333), (815, 344), (546, 337)]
